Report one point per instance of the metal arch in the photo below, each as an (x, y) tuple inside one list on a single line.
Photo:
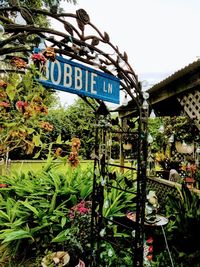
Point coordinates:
[(73, 42)]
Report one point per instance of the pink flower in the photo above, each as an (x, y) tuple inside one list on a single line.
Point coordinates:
[(4, 104), (38, 58), (82, 208)]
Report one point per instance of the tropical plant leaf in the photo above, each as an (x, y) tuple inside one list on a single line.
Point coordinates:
[(30, 207), (15, 235), (4, 215)]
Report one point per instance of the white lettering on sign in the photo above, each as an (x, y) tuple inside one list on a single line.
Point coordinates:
[(93, 82), (107, 89), (81, 78), (78, 78), (67, 75), (72, 77), (58, 72)]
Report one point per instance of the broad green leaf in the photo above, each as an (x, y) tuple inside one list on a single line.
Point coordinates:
[(4, 215), (30, 130), (11, 91), (62, 236), (37, 154), (36, 140), (30, 207), (38, 228), (16, 235), (53, 202), (63, 221)]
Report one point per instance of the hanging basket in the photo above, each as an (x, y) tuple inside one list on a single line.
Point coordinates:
[(60, 257), (127, 146), (184, 148)]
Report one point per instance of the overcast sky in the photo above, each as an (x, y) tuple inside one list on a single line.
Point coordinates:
[(159, 36)]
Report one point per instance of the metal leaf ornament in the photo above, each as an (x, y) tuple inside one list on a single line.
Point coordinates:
[(83, 16), (106, 37), (26, 15), (125, 57), (68, 28), (13, 3), (95, 41), (80, 25)]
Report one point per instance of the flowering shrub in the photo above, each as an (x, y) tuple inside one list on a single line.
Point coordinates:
[(80, 216), (190, 169)]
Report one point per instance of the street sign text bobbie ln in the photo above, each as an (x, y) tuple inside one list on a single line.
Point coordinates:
[(72, 77)]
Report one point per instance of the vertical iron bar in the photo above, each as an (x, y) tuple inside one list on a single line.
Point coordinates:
[(141, 189), (94, 234)]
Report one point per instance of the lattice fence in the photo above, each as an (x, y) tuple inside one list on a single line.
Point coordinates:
[(191, 105), (162, 188)]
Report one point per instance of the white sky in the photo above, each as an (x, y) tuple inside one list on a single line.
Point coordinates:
[(159, 36)]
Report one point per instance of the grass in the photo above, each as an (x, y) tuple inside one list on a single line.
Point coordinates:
[(24, 166), (36, 165)]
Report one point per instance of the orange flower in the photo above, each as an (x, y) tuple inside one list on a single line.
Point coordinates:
[(58, 152), (49, 53), (76, 143), (3, 84), (73, 159), (46, 126), (18, 62)]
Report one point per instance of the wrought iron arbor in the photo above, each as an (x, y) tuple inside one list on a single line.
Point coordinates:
[(76, 38)]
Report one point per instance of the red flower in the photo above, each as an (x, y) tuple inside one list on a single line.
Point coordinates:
[(3, 185), (150, 249), (38, 58), (149, 241), (21, 105)]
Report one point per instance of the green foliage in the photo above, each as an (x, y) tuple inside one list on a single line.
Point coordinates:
[(34, 209), (183, 128), (22, 126), (182, 231), (119, 202), (77, 120)]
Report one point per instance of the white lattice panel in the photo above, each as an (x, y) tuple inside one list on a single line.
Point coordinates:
[(191, 105)]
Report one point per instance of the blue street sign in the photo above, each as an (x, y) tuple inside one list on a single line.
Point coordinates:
[(69, 76)]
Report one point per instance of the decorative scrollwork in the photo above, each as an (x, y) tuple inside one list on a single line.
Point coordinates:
[(72, 42)]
